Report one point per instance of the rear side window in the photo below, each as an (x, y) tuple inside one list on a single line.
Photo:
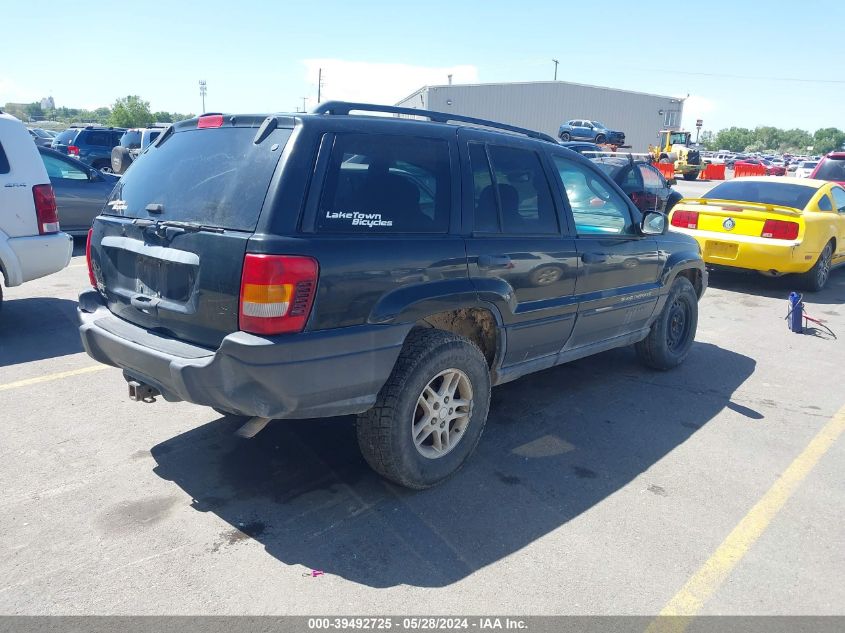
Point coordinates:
[(96, 138), (217, 177), (386, 184), (839, 199), (4, 161), (512, 194)]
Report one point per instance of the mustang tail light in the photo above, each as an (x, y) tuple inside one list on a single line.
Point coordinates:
[(780, 230), (685, 219)]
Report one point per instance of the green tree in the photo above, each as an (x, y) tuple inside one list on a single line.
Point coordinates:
[(828, 139), (735, 139), (131, 111), (162, 117), (708, 139)]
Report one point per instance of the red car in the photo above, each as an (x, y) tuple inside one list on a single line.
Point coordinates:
[(831, 167), (771, 169)]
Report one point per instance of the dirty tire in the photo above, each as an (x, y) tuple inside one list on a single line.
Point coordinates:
[(673, 333), (816, 278), (565, 136), (600, 139), (385, 432), (691, 175)]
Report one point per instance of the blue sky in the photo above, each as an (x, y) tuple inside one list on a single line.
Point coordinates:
[(737, 60)]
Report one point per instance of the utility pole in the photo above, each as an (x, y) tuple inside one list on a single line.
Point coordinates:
[(304, 99), (556, 63), (319, 84), (203, 90)]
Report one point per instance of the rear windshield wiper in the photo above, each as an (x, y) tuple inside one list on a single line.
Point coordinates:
[(190, 226)]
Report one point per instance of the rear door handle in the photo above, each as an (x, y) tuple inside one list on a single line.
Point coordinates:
[(493, 261), (594, 258)]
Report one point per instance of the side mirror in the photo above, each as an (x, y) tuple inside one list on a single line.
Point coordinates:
[(654, 223)]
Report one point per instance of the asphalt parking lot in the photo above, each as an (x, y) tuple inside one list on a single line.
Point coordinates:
[(599, 487)]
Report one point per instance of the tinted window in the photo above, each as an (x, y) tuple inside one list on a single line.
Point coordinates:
[(386, 184), (131, 139), (486, 206), (57, 168), (784, 194), (651, 177), (596, 209), (67, 136), (95, 138), (825, 204), (4, 161), (217, 177), (524, 197), (831, 169), (839, 199)]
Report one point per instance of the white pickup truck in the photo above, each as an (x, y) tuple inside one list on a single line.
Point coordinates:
[(31, 244)]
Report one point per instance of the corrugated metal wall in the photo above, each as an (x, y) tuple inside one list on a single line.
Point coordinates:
[(545, 105)]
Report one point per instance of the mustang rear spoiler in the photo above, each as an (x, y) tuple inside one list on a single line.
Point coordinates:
[(738, 206)]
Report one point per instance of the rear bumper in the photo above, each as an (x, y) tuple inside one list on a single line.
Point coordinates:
[(753, 253), (34, 256), (313, 374)]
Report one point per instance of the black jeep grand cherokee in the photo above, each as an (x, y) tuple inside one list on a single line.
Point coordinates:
[(297, 266)]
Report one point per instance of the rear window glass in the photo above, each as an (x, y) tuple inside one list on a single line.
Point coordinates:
[(132, 140), (67, 136), (831, 169), (4, 162), (386, 184), (784, 194), (217, 177)]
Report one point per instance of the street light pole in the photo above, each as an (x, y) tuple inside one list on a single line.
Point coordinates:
[(203, 90), (556, 63)]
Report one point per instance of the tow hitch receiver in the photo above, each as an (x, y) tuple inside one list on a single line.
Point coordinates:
[(139, 392)]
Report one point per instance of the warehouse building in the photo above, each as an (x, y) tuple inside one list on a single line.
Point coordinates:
[(544, 105)]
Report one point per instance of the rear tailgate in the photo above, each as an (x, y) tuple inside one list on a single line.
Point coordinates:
[(168, 250)]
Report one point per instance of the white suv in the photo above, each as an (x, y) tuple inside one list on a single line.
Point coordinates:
[(31, 245)]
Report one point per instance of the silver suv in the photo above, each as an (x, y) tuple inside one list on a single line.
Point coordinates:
[(132, 143)]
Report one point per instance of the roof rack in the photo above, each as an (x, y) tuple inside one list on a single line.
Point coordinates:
[(343, 107)]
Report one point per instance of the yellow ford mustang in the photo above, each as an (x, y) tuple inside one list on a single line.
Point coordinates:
[(771, 225)]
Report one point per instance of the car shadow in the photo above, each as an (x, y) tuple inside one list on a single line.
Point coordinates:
[(557, 443), (755, 284), (37, 328)]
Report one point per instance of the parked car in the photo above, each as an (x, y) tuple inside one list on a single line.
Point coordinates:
[(584, 130), (641, 181), (307, 287), (771, 169), (131, 144), (588, 149), (769, 225), (90, 144), (831, 167), (31, 245), (804, 168), (41, 137), (81, 191)]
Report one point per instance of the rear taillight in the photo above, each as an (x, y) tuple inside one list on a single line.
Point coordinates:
[(685, 219), (45, 209), (277, 292), (780, 230), (91, 277), (72, 150)]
